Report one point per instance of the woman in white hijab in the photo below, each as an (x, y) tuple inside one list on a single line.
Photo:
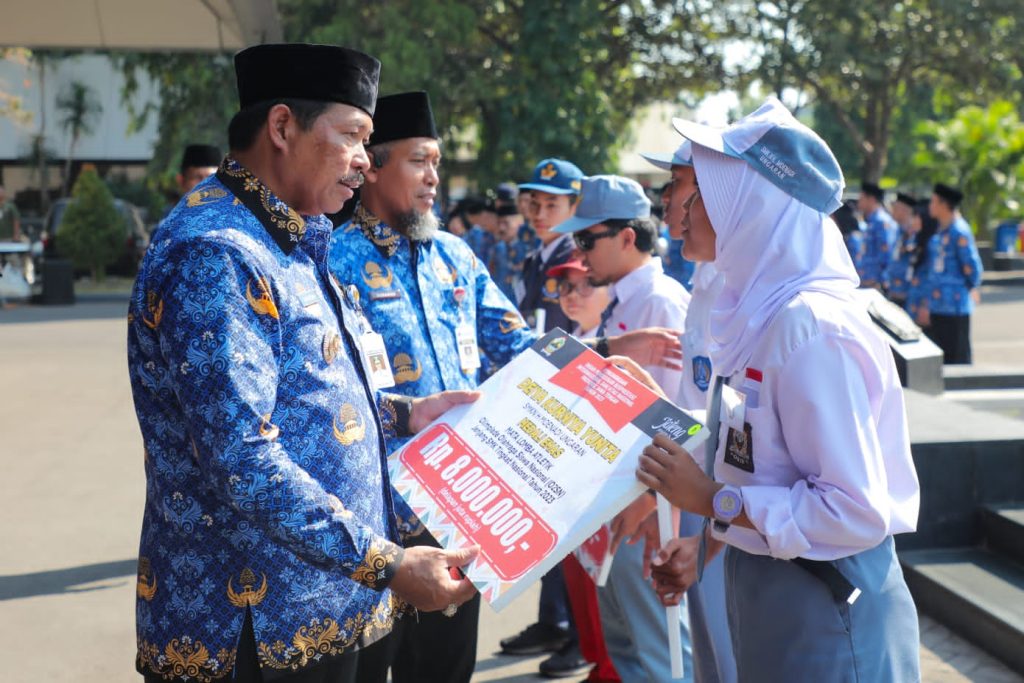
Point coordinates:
[(812, 474)]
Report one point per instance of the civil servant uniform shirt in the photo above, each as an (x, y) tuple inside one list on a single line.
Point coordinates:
[(954, 268), (880, 237), (266, 490), (416, 299)]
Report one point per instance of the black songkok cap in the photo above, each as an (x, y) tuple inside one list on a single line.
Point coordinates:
[(507, 210), (873, 190), (908, 199), (401, 116), (199, 156), (322, 73), (951, 195)]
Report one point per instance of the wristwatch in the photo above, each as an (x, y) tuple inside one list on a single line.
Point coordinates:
[(727, 506)]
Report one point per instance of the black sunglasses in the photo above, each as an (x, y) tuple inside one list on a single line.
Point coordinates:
[(585, 241)]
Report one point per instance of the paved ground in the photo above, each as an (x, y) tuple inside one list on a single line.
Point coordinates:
[(71, 501)]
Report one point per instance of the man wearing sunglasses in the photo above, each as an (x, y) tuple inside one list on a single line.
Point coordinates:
[(616, 238)]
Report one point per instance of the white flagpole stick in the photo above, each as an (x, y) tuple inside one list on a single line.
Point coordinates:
[(606, 568), (675, 645), (541, 319)]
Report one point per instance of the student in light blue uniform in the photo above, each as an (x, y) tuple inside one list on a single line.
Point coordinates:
[(881, 235), (952, 279), (811, 473)]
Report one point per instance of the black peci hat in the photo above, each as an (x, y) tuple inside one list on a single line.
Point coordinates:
[(323, 73), (950, 195), (200, 156), (403, 115), (872, 190), (904, 198)]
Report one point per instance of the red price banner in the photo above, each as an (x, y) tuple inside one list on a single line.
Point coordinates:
[(511, 536)]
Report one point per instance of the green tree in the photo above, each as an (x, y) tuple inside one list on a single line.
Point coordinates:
[(982, 151), (526, 78), (864, 60), (197, 100), (78, 108), (91, 232)]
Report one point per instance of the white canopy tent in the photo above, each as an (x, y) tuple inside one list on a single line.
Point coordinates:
[(201, 25)]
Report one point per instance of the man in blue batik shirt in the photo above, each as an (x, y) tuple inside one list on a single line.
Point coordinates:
[(422, 290), (425, 292), (880, 236), (270, 548), (952, 278)]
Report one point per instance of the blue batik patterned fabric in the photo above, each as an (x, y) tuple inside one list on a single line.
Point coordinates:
[(415, 296), (900, 273), (675, 264), (507, 263), (854, 241), (480, 241), (880, 237), (266, 489), (954, 269)]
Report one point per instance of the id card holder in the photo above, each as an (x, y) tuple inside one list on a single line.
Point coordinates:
[(374, 356), (734, 407), (469, 354)]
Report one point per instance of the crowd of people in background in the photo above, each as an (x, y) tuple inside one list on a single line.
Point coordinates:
[(921, 254)]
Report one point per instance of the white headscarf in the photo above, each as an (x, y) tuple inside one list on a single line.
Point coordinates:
[(769, 247)]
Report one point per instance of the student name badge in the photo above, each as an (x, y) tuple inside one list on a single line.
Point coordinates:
[(469, 354), (374, 355)]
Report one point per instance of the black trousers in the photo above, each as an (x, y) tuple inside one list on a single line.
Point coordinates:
[(952, 333), (432, 649)]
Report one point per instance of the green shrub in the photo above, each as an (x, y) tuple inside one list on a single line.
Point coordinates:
[(91, 232)]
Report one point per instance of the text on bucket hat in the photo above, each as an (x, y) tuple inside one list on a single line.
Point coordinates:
[(786, 152)]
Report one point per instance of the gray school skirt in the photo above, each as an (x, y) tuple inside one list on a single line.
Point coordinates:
[(786, 626)]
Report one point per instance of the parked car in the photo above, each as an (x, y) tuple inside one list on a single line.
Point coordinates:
[(136, 239)]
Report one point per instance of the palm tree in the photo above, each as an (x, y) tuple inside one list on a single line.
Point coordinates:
[(78, 108)]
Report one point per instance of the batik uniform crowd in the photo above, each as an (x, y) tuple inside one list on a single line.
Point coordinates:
[(304, 310)]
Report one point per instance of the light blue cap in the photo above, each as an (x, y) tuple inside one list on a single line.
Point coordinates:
[(783, 150), (683, 156), (607, 197)]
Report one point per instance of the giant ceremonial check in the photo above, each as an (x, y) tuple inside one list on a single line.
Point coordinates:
[(538, 464)]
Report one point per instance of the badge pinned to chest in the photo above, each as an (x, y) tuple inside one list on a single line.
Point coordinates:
[(374, 356), (739, 448)]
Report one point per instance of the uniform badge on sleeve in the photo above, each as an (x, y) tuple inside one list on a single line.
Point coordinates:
[(702, 372), (739, 448)]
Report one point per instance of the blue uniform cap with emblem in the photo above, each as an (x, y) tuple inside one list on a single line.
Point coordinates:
[(607, 197), (786, 152), (556, 176), (682, 156)]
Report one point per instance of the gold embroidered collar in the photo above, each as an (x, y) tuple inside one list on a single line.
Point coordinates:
[(283, 223), (383, 236)]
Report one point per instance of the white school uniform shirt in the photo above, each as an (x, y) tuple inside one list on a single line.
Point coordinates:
[(647, 297), (829, 448)]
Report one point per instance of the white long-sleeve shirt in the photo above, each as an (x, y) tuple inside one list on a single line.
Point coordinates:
[(647, 297), (826, 469)]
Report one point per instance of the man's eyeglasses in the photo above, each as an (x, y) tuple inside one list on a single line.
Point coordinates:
[(585, 241), (583, 288)]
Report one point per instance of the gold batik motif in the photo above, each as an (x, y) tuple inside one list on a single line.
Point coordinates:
[(381, 234), (375, 567), (183, 658), (282, 216), (262, 302), (249, 596), (352, 428), (327, 637)]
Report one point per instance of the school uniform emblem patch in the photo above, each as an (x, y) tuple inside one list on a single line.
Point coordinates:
[(702, 372), (739, 448)]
